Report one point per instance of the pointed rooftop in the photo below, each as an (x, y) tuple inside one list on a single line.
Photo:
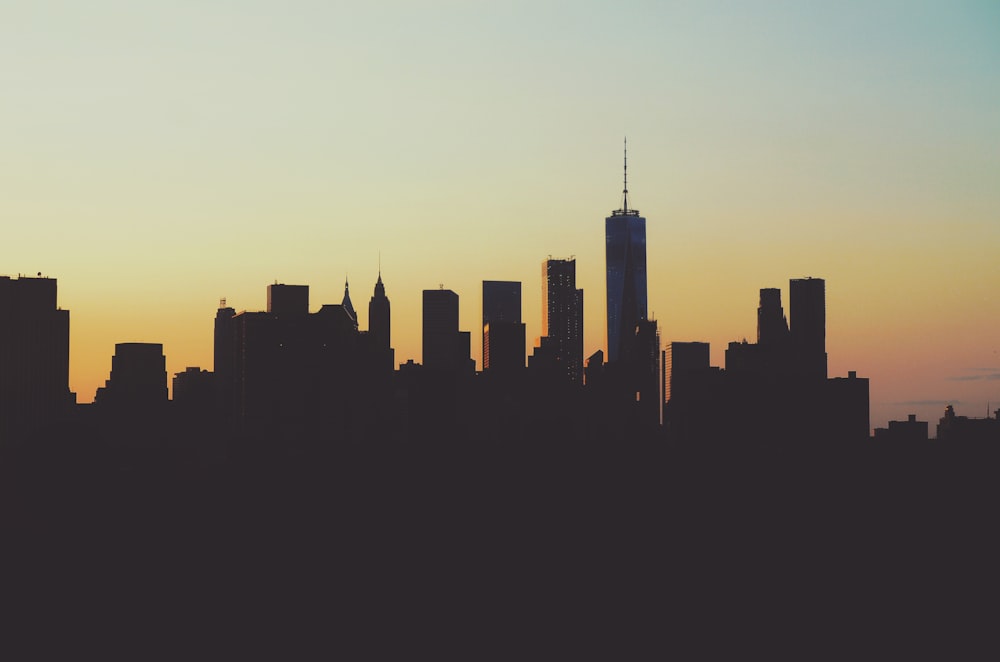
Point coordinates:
[(346, 303)]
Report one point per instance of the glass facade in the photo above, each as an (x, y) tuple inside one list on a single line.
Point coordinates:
[(625, 242)]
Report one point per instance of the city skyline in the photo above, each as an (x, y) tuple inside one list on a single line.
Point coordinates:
[(163, 158)]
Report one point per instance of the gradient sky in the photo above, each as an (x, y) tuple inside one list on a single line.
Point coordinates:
[(156, 156)]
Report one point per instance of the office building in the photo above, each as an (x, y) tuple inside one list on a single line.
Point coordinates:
[(562, 316), (808, 326), (503, 331), (772, 326), (625, 245), (34, 357), (445, 348), (138, 380)]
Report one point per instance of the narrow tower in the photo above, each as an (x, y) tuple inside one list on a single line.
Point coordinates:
[(378, 314), (562, 316), (379, 326), (625, 245)]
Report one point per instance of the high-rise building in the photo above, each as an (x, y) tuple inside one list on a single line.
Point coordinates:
[(444, 346), (223, 360), (501, 301), (562, 315), (34, 356), (808, 326), (379, 316), (379, 327), (503, 331), (138, 379), (625, 245), (772, 327)]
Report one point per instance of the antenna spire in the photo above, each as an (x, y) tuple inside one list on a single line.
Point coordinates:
[(625, 211), (625, 190)]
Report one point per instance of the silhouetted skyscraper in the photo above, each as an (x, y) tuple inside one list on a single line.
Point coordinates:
[(625, 245), (501, 301), (379, 316), (138, 379), (444, 346), (224, 358), (379, 327), (808, 326), (34, 356), (772, 327), (562, 315), (503, 331)]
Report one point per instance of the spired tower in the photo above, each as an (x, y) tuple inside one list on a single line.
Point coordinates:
[(625, 244), (378, 315), (379, 327)]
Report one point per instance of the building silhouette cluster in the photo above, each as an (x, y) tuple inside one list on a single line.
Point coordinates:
[(294, 375), (777, 386)]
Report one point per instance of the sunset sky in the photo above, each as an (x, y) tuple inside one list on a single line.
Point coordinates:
[(157, 156)]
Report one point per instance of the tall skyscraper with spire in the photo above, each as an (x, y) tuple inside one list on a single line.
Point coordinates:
[(383, 355), (625, 245), (378, 315)]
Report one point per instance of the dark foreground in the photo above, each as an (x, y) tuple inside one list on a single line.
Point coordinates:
[(531, 550)]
